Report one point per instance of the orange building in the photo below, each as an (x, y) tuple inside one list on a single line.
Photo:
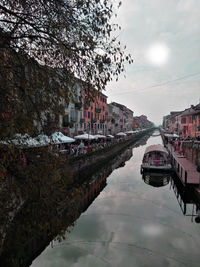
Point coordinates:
[(190, 122), (185, 123), (94, 112)]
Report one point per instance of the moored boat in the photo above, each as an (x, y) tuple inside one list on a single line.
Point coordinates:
[(156, 157)]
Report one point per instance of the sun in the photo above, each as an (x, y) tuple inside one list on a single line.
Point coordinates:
[(158, 54)]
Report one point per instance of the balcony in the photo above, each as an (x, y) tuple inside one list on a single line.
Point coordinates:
[(68, 124), (102, 121), (78, 105), (82, 120), (98, 110), (93, 121), (72, 119)]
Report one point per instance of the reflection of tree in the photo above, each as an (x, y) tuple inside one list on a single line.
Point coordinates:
[(30, 200), (51, 207)]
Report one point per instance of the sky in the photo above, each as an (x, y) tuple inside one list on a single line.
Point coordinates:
[(163, 37)]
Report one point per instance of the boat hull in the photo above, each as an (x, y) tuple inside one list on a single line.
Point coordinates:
[(147, 168)]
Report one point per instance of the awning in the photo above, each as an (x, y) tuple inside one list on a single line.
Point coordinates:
[(158, 147), (121, 134), (85, 137), (59, 138)]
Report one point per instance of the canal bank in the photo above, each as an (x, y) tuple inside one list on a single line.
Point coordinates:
[(129, 224), (83, 165), (184, 168), (31, 229)]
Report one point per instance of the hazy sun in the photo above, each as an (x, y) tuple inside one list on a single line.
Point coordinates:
[(158, 54)]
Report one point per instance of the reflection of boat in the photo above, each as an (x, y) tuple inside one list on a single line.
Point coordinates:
[(156, 179), (156, 157)]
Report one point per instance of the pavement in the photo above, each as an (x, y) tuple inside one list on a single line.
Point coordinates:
[(193, 177)]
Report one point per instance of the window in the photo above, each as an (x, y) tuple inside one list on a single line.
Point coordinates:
[(185, 128), (183, 120), (72, 115), (88, 114), (65, 120)]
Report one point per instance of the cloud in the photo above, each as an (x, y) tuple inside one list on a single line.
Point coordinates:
[(174, 23)]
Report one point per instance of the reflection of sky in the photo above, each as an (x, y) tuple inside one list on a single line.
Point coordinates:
[(129, 224)]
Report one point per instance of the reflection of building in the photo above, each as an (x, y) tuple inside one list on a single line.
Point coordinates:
[(35, 231), (185, 197)]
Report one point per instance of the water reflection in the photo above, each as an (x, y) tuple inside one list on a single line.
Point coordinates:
[(35, 225), (156, 179), (129, 224), (186, 199), (185, 196)]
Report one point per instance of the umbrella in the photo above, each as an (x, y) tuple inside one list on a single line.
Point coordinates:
[(85, 137), (110, 136), (98, 136), (171, 135), (59, 138), (23, 141), (43, 139), (130, 132), (121, 134)]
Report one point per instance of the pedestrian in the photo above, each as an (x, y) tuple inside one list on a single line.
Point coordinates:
[(81, 147), (197, 219)]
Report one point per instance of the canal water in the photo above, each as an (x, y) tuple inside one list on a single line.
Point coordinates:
[(132, 222)]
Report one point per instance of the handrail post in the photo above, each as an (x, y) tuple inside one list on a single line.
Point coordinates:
[(185, 177)]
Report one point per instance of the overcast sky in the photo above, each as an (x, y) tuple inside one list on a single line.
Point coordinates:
[(163, 37)]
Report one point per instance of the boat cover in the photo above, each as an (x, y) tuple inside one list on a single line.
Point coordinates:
[(156, 148)]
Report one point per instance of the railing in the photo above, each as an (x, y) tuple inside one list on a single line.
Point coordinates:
[(191, 144), (98, 110), (78, 105)]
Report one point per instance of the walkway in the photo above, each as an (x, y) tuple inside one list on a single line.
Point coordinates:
[(185, 169)]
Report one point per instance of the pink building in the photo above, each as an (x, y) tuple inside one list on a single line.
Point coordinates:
[(185, 123), (143, 117), (190, 122), (94, 112)]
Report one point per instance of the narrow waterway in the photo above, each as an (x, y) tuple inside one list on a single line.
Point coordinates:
[(130, 223)]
